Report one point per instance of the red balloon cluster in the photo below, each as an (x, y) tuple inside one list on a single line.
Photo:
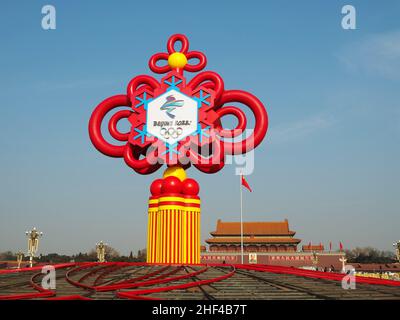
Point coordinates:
[(174, 185)]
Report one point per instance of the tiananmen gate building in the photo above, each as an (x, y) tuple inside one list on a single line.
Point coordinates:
[(265, 243), (257, 237)]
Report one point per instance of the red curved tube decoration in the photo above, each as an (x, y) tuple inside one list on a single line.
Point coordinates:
[(156, 137), (210, 80), (178, 38), (95, 125), (134, 293), (112, 125), (240, 116), (198, 66), (260, 115), (141, 81), (155, 59), (149, 282)]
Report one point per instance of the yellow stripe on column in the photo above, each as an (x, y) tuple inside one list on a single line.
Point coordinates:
[(165, 215), (191, 237), (154, 233), (198, 235), (180, 244), (173, 237), (171, 240), (188, 235), (193, 257), (168, 238), (196, 249), (159, 236), (164, 249), (148, 236), (160, 239), (149, 224), (161, 249), (154, 230), (152, 239)]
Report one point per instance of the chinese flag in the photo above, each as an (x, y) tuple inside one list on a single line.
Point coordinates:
[(340, 246), (245, 184)]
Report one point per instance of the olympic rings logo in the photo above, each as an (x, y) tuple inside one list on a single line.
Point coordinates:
[(171, 132)]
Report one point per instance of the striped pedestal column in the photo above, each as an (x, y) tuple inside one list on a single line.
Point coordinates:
[(173, 234)]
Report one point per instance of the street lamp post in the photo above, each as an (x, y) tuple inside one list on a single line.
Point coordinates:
[(33, 244), (343, 260), (397, 246), (101, 251), (315, 260)]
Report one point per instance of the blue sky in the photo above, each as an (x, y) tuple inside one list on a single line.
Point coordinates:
[(330, 162)]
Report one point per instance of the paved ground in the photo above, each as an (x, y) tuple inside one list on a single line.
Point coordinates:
[(138, 281)]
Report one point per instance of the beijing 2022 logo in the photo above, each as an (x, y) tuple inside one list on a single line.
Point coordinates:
[(170, 105)]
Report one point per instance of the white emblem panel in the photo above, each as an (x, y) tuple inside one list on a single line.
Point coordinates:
[(172, 116)]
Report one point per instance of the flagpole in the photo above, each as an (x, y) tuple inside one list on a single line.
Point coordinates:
[(241, 218)]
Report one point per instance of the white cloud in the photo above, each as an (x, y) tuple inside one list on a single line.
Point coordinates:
[(377, 54)]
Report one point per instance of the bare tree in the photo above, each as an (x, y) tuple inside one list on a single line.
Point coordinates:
[(369, 255)]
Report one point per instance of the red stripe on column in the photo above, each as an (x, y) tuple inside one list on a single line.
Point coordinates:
[(172, 250), (170, 236), (175, 236), (180, 253), (161, 241), (174, 203), (191, 237), (191, 234), (195, 237), (187, 237), (198, 236), (165, 236), (178, 248), (159, 234)]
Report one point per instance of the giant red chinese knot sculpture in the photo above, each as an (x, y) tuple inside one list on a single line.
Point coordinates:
[(177, 123)]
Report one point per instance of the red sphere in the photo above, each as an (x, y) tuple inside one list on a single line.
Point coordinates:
[(190, 187), (171, 185), (155, 187)]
